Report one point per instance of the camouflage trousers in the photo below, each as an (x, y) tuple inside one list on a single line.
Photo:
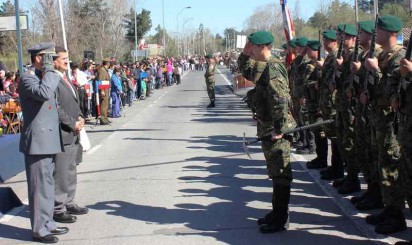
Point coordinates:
[(405, 139), (345, 134), (210, 86), (388, 157), (365, 148), (277, 155)]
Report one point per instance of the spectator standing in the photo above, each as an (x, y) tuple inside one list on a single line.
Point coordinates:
[(116, 90), (104, 77), (8, 80)]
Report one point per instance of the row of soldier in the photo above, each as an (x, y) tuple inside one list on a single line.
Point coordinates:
[(361, 84)]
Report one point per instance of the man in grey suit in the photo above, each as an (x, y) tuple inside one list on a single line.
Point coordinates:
[(41, 140), (65, 174)]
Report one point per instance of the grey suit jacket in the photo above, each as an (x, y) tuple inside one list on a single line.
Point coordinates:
[(68, 109), (41, 131)]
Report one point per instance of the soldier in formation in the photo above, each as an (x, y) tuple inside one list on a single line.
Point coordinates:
[(363, 84)]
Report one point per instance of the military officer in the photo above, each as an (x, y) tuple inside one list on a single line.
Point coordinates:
[(104, 77), (383, 68), (40, 140), (271, 102), (210, 79)]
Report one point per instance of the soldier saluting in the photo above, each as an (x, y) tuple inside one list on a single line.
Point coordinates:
[(271, 101)]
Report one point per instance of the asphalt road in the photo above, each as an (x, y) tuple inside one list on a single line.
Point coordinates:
[(173, 172)]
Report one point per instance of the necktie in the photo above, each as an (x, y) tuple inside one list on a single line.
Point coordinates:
[(69, 84)]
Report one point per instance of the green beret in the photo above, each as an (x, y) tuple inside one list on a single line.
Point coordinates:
[(367, 26), (284, 46), (330, 34), (261, 37), (350, 29), (301, 41), (340, 27), (390, 23), (209, 56), (313, 44), (292, 43)]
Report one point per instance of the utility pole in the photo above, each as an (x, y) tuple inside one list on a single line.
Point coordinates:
[(135, 31), (375, 7), (18, 33), (164, 35)]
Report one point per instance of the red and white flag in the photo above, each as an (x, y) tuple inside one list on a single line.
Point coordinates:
[(288, 27)]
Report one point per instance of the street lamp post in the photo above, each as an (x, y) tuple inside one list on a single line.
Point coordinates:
[(183, 31), (177, 27)]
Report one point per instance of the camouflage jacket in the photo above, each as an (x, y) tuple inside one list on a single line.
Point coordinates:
[(309, 89), (210, 71), (297, 74), (345, 80), (326, 96), (272, 98), (387, 79)]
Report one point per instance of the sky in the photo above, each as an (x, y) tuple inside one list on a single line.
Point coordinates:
[(215, 15)]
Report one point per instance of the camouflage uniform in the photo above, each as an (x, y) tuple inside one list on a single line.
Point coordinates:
[(345, 120), (316, 137), (382, 118), (297, 73), (366, 149), (210, 80), (405, 134), (328, 109)]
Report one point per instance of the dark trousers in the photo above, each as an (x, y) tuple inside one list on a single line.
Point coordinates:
[(40, 183), (65, 178), (83, 102)]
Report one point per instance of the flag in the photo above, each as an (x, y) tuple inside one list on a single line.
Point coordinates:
[(288, 28)]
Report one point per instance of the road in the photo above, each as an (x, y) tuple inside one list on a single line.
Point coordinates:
[(173, 172)]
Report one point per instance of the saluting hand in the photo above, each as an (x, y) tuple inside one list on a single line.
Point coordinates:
[(247, 50)]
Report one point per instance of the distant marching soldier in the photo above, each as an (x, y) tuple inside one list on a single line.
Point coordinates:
[(383, 68), (210, 79)]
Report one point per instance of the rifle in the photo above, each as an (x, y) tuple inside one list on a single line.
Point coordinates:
[(368, 76), (399, 90), (355, 59), (339, 54), (289, 131)]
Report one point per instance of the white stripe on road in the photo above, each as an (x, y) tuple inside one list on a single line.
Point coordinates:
[(224, 77), (93, 150)]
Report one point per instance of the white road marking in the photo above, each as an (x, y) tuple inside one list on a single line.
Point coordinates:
[(94, 149), (112, 135), (225, 78)]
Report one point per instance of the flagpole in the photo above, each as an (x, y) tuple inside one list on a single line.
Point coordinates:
[(288, 28)]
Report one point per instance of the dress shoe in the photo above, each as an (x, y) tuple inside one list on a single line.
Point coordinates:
[(59, 231), (375, 219), (76, 210), (64, 217), (46, 239), (267, 219)]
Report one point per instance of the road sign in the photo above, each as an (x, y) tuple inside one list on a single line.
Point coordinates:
[(8, 23), (138, 53), (240, 41)]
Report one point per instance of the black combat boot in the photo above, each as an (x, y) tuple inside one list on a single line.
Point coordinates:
[(321, 160), (356, 199), (350, 185), (375, 219), (332, 173), (281, 210), (270, 216), (212, 104), (371, 201), (338, 182), (336, 171), (394, 222)]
